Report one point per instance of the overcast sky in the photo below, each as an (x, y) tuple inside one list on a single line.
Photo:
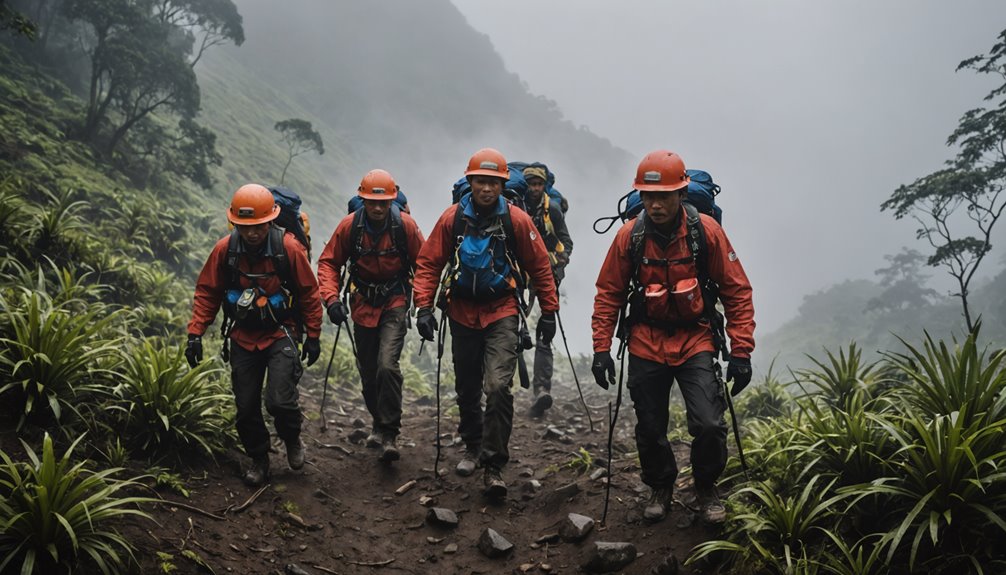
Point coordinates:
[(807, 113)]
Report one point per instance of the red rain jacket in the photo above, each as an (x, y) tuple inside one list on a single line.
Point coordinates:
[(371, 268), (531, 256), (654, 343), (212, 283)]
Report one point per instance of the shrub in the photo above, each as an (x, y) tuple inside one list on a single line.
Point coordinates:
[(56, 515), (167, 408)]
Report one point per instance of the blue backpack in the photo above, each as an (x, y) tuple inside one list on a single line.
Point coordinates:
[(356, 202), (291, 218), (702, 192), (513, 190), (550, 188), (483, 268)]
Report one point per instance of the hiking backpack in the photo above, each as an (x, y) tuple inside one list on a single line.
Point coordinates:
[(550, 188), (702, 192), (291, 218), (356, 202), (376, 293), (484, 267)]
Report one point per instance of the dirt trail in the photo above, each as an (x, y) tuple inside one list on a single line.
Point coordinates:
[(341, 513)]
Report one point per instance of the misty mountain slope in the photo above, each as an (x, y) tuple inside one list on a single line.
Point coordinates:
[(842, 313)]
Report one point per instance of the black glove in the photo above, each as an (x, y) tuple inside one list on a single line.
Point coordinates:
[(603, 368), (337, 312), (311, 350), (558, 274), (194, 350), (738, 371), (546, 328), (426, 324)]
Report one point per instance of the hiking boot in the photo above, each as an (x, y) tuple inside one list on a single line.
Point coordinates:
[(710, 507), (389, 450), (658, 505), (258, 473), (495, 486), (374, 440), (469, 462), (542, 401), (295, 453)]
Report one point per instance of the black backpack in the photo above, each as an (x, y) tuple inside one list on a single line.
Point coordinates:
[(699, 250), (375, 292)]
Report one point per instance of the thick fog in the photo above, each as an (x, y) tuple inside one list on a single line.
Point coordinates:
[(809, 114)]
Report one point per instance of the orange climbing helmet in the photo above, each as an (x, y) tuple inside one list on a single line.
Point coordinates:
[(378, 185), (252, 205), (661, 171), (488, 162)]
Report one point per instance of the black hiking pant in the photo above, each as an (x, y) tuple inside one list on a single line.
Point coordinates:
[(484, 362), (379, 349), (649, 387), (280, 368)]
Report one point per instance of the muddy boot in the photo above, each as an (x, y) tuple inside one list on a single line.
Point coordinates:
[(258, 473), (658, 505), (710, 507), (469, 461), (295, 453), (389, 450), (374, 440), (542, 401), (495, 486)]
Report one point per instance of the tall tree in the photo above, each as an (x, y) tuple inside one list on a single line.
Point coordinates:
[(300, 138), (957, 207)]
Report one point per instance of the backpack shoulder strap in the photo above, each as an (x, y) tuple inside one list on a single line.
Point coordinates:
[(233, 256), (398, 236), (356, 236), (280, 260), (637, 242), (697, 240)]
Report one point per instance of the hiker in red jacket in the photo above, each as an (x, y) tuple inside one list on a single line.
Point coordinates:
[(487, 245), (671, 285), (263, 279), (378, 244)]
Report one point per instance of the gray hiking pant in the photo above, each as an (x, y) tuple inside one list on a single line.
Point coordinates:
[(379, 349), (485, 361), (650, 387), (279, 366)]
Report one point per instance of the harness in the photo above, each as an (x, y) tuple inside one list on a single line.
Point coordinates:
[(698, 252), (254, 307), (376, 293)]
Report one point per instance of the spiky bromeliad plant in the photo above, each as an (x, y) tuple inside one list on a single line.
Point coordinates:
[(50, 358), (55, 515), (168, 409)]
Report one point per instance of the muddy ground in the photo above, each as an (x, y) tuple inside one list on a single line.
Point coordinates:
[(347, 513)]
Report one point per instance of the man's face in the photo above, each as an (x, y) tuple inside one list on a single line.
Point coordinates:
[(661, 207), (253, 236), (486, 190), (377, 210), (535, 188)]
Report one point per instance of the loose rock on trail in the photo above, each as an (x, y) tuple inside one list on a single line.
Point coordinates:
[(345, 512)]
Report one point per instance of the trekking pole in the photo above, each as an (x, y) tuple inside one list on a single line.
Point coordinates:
[(611, 425), (324, 394), (440, 354), (352, 344), (565, 343), (733, 417)]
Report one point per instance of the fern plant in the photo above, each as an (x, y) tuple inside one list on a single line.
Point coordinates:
[(56, 516), (166, 409), (50, 358)]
